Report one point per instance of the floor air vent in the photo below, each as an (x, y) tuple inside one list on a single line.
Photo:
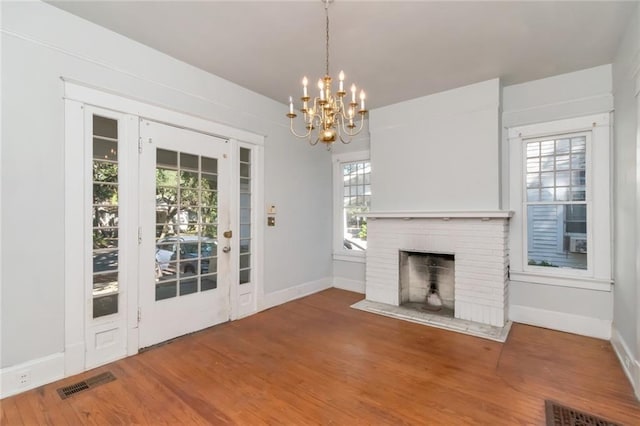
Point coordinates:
[(560, 415), (87, 384)]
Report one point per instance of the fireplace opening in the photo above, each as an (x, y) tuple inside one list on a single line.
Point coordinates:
[(427, 282)]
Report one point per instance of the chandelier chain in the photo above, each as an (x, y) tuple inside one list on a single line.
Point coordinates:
[(326, 11)]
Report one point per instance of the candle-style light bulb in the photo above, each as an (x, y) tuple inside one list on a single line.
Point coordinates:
[(341, 78), (304, 86), (353, 93), (290, 105), (321, 87), (362, 96)]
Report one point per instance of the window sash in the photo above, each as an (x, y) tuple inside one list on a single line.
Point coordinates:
[(553, 149), (352, 198)]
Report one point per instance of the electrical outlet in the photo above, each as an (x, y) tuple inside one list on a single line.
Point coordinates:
[(24, 378)]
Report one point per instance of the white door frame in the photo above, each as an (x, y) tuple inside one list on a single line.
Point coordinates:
[(76, 96)]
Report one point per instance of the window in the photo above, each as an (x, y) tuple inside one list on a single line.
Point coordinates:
[(352, 174), (556, 201), (560, 233)]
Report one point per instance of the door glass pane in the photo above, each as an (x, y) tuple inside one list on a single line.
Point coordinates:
[(209, 282), (186, 223), (166, 290), (245, 216), (105, 305), (105, 215), (245, 276)]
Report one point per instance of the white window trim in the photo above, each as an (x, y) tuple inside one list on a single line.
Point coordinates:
[(598, 275), (339, 253)]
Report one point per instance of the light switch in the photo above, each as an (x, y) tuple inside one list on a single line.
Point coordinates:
[(271, 209)]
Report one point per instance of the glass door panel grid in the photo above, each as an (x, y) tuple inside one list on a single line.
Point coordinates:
[(105, 215), (244, 270), (186, 223)]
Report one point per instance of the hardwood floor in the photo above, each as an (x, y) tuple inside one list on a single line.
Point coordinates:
[(316, 361)]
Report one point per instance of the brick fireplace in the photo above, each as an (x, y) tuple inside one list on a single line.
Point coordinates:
[(476, 240)]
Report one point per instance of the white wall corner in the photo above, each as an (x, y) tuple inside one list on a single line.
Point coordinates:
[(356, 286), (269, 300), (630, 365), (30, 375), (561, 321)]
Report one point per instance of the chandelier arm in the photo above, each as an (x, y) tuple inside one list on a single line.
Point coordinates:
[(346, 142), (355, 132), (341, 129), (306, 135)]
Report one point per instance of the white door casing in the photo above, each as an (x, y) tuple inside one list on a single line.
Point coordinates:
[(80, 330)]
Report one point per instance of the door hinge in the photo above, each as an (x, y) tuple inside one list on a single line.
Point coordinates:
[(140, 145), (139, 235), (139, 315)]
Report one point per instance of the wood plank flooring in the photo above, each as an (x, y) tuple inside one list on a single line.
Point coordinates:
[(316, 361)]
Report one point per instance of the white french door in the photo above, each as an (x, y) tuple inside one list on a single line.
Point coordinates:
[(147, 210), (185, 232)]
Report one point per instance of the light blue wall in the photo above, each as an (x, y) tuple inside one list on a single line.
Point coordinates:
[(626, 181), (41, 43)]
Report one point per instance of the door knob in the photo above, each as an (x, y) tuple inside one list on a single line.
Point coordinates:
[(226, 249)]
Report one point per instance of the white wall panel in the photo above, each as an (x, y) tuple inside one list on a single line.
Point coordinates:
[(439, 152)]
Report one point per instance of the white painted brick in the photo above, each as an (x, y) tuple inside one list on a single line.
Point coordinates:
[(377, 294), (481, 256)]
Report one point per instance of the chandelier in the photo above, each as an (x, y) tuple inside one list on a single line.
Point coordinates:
[(329, 117)]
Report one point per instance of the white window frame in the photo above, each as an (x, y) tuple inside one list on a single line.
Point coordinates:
[(339, 252), (559, 231), (598, 186)]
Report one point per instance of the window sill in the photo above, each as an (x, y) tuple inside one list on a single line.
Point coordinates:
[(588, 283), (350, 257)]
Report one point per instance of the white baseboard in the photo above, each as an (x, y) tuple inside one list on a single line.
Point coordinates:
[(38, 372), (630, 365), (561, 321), (279, 297), (348, 284)]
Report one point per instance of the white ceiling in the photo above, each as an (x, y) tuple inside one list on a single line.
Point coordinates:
[(396, 50)]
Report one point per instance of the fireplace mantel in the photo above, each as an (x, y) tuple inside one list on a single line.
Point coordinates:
[(459, 214)]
